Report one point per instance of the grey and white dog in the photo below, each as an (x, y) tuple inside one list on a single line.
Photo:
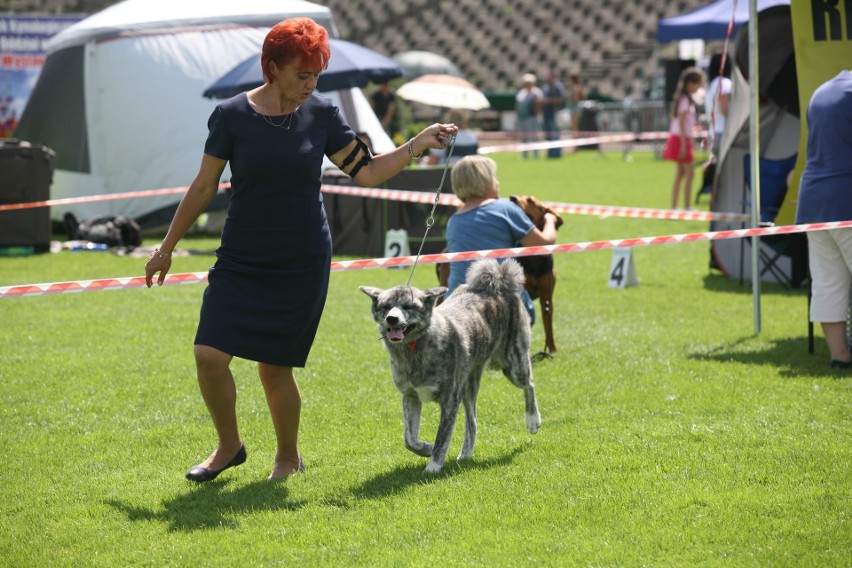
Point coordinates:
[(438, 354)]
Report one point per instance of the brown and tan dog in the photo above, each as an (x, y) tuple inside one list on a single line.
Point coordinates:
[(539, 271)]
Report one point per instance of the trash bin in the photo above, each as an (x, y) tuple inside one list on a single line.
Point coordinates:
[(26, 172), (589, 122)]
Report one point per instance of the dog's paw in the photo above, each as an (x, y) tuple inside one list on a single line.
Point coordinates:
[(421, 449), (533, 422), (433, 467), (541, 356)]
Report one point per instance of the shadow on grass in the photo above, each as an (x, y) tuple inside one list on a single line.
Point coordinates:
[(717, 282), (397, 480), (789, 355), (211, 505)]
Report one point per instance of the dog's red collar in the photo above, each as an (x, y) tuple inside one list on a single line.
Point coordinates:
[(412, 346)]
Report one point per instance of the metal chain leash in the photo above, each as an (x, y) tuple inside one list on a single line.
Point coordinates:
[(431, 219)]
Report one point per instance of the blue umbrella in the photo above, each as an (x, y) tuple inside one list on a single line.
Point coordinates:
[(350, 65)]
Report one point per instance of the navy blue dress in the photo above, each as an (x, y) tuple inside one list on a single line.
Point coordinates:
[(267, 289)]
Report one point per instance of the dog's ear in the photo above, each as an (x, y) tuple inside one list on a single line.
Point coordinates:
[(432, 294), (371, 291), (514, 199)]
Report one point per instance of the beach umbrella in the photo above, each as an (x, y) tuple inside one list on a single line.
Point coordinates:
[(350, 65), (445, 91), (417, 63)]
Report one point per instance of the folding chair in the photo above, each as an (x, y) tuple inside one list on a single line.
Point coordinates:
[(773, 184), (773, 189)]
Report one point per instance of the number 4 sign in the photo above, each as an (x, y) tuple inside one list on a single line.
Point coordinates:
[(622, 271)]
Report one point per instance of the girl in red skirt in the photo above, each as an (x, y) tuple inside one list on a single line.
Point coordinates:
[(679, 144)]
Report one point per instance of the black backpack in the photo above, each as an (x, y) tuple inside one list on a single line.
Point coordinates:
[(111, 230)]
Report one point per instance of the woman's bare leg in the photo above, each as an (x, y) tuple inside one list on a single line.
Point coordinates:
[(285, 406), (688, 172), (220, 395), (835, 337), (676, 186)]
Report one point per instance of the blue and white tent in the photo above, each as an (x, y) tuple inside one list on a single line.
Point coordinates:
[(709, 22)]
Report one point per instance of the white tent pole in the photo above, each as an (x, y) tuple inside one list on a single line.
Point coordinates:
[(754, 137)]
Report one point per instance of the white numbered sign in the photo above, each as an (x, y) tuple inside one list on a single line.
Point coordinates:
[(622, 271), (396, 243)]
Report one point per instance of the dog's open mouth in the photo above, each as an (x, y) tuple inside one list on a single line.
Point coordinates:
[(398, 334)]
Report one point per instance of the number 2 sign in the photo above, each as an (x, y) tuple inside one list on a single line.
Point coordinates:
[(396, 243)]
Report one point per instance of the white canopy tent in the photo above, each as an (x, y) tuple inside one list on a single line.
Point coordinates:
[(120, 96)]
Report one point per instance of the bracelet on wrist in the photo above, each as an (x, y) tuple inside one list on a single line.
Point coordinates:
[(160, 254), (411, 155)]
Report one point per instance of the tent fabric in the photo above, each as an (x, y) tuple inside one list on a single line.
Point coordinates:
[(709, 22), (138, 16), (136, 118), (66, 131), (779, 131), (777, 68)]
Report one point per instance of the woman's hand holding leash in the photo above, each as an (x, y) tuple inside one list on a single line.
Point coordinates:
[(436, 136)]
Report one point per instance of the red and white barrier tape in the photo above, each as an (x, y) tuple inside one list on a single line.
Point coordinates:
[(568, 208), (173, 190), (363, 264), (423, 197), (104, 197), (514, 134), (573, 142)]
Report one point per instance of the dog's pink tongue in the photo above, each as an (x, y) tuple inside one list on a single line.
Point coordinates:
[(395, 335)]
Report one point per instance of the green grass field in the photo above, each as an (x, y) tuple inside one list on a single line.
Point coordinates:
[(672, 434)]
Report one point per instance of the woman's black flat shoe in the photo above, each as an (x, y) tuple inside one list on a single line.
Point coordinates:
[(202, 474), (835, 364)]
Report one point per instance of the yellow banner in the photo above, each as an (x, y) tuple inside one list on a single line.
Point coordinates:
[(822, 39)]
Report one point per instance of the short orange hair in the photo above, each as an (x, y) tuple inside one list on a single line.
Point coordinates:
[(295, 38)]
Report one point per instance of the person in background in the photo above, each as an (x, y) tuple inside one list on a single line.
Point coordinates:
[(553, 101), (825, 195), (679, 143), (718, 98), (466, 144), (267, 289), (527, 108), (484, 221), (383, 102), (578, 95)]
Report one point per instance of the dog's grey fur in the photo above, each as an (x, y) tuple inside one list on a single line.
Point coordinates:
[(438, 354)]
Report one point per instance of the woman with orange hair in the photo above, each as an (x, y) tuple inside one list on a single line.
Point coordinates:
[(267, 289)]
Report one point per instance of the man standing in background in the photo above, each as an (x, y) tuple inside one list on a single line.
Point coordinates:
[(383, 101), (552, 102)]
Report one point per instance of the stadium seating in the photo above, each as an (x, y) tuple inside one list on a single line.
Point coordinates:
[(608, 42)]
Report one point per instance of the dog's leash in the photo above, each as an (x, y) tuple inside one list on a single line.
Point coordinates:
[(431, 219)]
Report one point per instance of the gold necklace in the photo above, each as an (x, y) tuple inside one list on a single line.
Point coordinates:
[(286, 122)]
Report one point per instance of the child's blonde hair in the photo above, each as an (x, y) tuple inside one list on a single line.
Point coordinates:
[(473, 176)]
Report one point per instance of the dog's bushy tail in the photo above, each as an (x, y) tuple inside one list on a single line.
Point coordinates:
[(489, 277)]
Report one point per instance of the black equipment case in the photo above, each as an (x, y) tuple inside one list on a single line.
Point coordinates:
[(26, 172)]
